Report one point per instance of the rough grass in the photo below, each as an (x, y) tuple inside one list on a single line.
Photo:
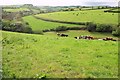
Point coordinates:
[(37, 24), (96, 16), (28, 55), (16, 10)]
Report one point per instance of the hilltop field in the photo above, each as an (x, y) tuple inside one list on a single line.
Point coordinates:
[(96, 16)]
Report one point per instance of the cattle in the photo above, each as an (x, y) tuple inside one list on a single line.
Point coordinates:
[(87, 37), (90, 37), (58, 34), (77, 37), (114, 40), (109, 38), (62, 35), (94, 38)]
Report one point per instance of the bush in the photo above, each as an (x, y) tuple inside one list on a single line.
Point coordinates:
[(61, 28), (16, 27), (91, 26), (27, 30), (104, 28), (38, 32), (116, 32), (76, 28), (46, 30)]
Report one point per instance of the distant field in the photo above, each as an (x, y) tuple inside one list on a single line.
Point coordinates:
[(28, 55), (16, 10), (96, 16), (37, 24), (116, 10)]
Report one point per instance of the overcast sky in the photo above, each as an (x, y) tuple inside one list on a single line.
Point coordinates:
[(60, 2)]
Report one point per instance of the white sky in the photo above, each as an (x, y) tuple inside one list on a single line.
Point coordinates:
[(60, 2)]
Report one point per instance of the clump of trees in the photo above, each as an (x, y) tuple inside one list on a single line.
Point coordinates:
[(104, 28), (92, 27), (116, 32), (16, 26)]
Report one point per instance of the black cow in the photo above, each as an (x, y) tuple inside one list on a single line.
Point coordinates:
[(62, 35)]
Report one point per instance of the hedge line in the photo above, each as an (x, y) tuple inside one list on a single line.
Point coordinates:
[(64, 28), (50, 20)]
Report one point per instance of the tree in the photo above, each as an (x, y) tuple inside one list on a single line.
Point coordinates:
[(91, 27)]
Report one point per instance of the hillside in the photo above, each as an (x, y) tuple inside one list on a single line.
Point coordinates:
[(30, 55), (96, 16), (37, 24)]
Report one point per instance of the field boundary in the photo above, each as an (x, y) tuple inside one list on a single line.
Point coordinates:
[(58, 21)]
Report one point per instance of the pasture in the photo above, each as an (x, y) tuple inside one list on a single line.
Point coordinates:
[(16, 10), (37, 24), (96, 16), (33, 56), (73, 33)]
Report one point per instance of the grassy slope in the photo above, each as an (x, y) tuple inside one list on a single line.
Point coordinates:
[(16, 10), (97, 16), (37, 24), (26, 55)]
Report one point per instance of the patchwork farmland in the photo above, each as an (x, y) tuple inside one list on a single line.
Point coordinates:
[(26, 54)]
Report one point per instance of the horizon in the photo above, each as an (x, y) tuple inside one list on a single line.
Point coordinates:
[(62, 2)]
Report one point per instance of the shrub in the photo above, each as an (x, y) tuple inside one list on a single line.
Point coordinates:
[(116, 32), (46, 30), (104, 28), (76, 28), (38, 32), (16, 27), (27, 30), (91, 26), (61, 28)]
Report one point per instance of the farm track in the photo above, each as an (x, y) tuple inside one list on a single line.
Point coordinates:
[(58, 21)]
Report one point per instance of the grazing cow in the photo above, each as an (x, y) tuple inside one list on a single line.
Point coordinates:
[(114, 40), (99, 39), (109, 38), (86, 37), (90, 37), (62, 35), (58, 34), (77, 38), (104, 39)]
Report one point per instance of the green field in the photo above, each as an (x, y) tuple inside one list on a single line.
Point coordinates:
[(29, 55), (96, 16), (16, 10), (73, 33), (38, 24)]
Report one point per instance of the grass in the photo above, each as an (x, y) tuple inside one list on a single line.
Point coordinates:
[(74, 33), (16, 10), (96, 16), (28, 55), (37, 24)]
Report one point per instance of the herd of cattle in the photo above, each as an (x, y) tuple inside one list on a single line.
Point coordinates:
[(88, 37)]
